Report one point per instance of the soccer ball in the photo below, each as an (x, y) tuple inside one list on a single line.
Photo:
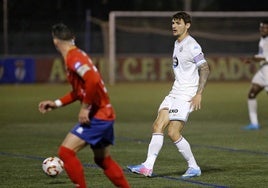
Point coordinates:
[(52, 166)]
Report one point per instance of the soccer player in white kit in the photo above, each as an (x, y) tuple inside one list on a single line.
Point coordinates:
[(260, 79), (191, 72)]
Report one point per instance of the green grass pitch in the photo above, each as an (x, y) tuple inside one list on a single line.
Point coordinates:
[(227, 155)]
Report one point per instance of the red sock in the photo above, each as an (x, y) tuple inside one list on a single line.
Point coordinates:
[(72, 166), (113, 171)]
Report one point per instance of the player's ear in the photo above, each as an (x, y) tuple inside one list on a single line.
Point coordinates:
[(55, 40), (188, 25), (73, 41)]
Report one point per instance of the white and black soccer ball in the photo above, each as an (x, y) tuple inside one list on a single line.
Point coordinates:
[(53, 166)]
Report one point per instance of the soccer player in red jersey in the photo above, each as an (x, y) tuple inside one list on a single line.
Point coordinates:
[(96, 116)]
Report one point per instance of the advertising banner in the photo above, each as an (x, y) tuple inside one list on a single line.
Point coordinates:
[(51, 69), (17, 70)]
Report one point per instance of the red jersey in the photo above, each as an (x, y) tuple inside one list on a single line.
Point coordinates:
[(87, 85)]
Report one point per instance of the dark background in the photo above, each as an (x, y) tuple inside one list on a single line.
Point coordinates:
[(30, 21)]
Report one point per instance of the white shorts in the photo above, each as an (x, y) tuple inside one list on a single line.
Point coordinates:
[(261, 77), (178, 108)]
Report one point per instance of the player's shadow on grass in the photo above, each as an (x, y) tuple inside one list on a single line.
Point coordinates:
[(205, 170), (57, 182), (211, 169)]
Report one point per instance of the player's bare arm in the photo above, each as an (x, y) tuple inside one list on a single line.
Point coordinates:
[(203, 76), (83, 114), (253, 59)]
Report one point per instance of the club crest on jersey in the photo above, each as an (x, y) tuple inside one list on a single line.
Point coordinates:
[(181, 48), (175, 62), (196, 47), (77, 65)]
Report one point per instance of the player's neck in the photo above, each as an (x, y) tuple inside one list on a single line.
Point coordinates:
[(66, 48), (183, 36)]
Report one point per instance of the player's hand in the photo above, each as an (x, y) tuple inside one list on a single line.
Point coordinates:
[(196, 102), (46, 106), (83, 116), (247, 60)]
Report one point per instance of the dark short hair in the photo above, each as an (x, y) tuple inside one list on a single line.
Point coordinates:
[(62, 32), (184, 16)]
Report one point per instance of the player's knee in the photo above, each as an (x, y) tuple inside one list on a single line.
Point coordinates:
[(158, 127), (65, 153), (254, 91), (99, 161), (251, 95), (174, 135)]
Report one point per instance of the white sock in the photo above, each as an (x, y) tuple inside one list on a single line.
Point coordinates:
[(252, 110), (153, 149), (185, 149)]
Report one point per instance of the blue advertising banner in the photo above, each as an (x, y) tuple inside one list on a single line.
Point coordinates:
[(17, 70)]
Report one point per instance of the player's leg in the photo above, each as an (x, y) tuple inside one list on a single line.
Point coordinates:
[(100, 137), (72, 165), (157, 139), (174, 132), (252, 107), (111, 169), (259, 81), (156, 143)]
